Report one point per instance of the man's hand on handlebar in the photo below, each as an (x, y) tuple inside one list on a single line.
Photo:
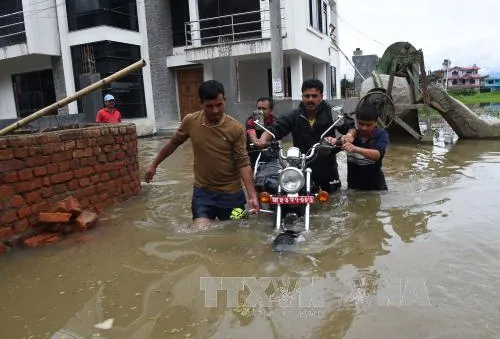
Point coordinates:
[(331, 140), (259, 143)]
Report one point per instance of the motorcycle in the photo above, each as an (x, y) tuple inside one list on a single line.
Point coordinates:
[(283, 182)]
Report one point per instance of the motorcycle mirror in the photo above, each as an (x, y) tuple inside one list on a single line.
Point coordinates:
[(337, 115), (258, 115)]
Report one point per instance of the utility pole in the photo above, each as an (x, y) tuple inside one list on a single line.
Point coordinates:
[(276, 49)]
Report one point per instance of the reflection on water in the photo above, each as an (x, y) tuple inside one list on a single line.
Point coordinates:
[(437, 225)]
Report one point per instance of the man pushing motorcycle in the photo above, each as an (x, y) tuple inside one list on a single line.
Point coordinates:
[(307, 123)]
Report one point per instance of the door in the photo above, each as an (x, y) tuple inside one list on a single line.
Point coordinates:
[(188, 83)]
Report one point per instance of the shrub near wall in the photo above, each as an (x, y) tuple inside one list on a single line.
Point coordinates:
[(96, 164)]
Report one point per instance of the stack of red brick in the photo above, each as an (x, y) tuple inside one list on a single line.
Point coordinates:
[(98, 165), (65, 217)]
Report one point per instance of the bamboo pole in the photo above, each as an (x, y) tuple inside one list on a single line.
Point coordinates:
[(71, 98)]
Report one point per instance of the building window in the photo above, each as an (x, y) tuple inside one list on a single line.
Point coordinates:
[(33, 91), (229, 20), (472, 81), (106, 58), (318, 18), (84, 14), (333, 80), (179, 14), (12, 31)]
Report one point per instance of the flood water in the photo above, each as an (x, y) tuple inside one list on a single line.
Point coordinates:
[(420, 261)]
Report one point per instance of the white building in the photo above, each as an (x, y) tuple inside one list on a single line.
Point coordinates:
[(46, 46)]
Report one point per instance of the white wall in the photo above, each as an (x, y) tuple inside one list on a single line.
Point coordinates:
[(19, 65), (40, 21), (301, 36), (253, 79)]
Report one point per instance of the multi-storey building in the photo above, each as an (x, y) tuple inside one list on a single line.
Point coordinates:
[(52, 48)]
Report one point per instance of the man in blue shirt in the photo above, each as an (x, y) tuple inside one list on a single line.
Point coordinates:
[(365, 153)]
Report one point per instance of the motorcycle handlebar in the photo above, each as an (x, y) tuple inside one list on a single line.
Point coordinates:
[(321, 146)]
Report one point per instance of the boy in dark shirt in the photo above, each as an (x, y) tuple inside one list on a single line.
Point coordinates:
[(365, 154)]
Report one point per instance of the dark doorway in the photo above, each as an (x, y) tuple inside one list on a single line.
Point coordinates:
[(226, 26), (33, 91)]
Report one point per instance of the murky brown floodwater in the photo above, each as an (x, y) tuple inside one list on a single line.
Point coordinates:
[(436, 227)]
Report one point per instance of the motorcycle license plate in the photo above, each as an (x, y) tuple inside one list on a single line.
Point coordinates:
[(307, 199)]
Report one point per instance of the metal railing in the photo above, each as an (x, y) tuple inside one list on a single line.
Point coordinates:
[(230, 28), (12, 30)]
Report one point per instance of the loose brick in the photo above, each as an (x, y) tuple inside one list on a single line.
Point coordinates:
[(11, 165), (86, 220), (84, 172), (61, 177), (105, 140), (54, 217), (8, 177), (98, 168), (32, 151), (107, 148), (26, 174), (119, 139), (102, 158), (6, 232), (95, 179), (33, 196), (68, 205), (24, 212), (46, 181), (21, 153), (42, 239), (28, 186), (8, 217), (105, 177), (6, 154), (88, 161)]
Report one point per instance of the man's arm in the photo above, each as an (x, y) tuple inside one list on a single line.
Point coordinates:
[(180, 136), (251, 133), (280, 128), (242, 161), (381, 142)]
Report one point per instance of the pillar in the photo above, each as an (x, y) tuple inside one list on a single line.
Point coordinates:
[(194, 17), (297, 76)]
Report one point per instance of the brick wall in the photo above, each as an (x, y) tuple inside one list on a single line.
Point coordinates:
[(96, 164)]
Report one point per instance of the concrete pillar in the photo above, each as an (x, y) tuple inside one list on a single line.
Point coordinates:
[(59, 82), (194, 17), (159, 41), (67, 60), (208, 73), (297, 76), (321, 70)]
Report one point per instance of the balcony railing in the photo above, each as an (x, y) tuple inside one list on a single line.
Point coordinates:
[(12, 31), (230, 28)]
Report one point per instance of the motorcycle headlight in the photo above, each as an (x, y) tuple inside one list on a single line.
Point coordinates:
[(291, 180)]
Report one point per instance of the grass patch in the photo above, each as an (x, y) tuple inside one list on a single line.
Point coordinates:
[(477, 98)]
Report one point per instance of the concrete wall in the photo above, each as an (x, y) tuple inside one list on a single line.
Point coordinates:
[(96, 165), (40, 21), (24, 64), (42, 37), (253, 79)]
